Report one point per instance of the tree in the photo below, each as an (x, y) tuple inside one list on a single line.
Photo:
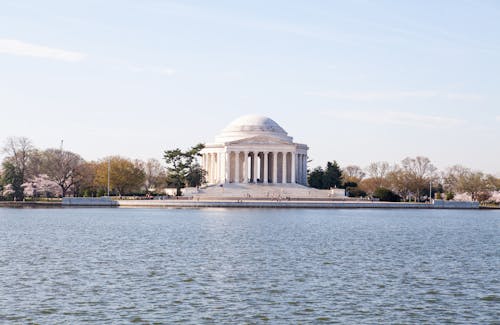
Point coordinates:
[(483, 196), (453, 176), (460, 179), (195, 175), (369, 185), (315, 177), (419, 172), (61, 167), (13, 180), (378, 171), (398, 180), (385, 194), (494, 181), (155, 175), (85, 183), (19, 152), (42, 185), (353, 173), (125, 176), (8, 192), (333, 175), (180, 166), (355, 192), (474, 184), (326, 178)]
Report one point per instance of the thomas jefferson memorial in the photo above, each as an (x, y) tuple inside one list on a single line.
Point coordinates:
[(255, 149)]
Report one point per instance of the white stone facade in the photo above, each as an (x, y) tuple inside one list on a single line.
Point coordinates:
[(255, 149)]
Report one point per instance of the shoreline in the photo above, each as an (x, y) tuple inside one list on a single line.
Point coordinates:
[(286, 204), (27, 204), (294, 204)]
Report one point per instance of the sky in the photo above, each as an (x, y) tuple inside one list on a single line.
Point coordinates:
[(357, 81)]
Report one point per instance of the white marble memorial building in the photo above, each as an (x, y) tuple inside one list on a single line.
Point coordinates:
[(255, 149)]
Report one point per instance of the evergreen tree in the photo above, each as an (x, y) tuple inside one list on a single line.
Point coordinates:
[(183, 170), (327, 178), (315, 178), (333, 176), (13, 176)]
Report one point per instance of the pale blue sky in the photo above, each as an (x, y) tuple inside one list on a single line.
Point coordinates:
[(358, 81)]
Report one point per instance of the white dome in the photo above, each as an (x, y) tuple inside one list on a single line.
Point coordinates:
[(251, 126)]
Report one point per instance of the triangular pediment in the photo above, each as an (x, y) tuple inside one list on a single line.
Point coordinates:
[(260, 140)]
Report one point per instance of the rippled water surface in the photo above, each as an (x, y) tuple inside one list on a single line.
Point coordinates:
[(249, 266)]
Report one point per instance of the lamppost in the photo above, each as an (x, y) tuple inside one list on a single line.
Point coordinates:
[(430, 191), (109, 169)]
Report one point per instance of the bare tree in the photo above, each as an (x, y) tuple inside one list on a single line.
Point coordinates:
[(476, 184), (19, 151), (353, 173), (399, 182), (61, 167), (460, 179), (453, 177), (419, 171), (84, 182), (16, 165), (155, 174), (378, 172)]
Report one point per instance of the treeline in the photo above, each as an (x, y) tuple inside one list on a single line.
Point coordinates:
[(413, 179), (27, 171)]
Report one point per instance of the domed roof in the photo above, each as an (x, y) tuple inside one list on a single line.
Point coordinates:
[(248, 126)]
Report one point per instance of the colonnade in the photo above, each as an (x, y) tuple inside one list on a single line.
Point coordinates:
[(255, 167)]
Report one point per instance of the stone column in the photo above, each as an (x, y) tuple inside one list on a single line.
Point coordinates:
[(245, 167), (216, 164), (304, 169), (297, 168), (227, 167), (212, 167), (292, 169), (255, 170), (301, 167), (266, 168), (250, 174), (216, 167), (205, 164), (219, 167), (283, 178), (207, 158), (275, 167), (237, 167), (221, 158)]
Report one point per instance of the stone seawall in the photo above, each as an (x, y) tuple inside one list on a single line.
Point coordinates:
[(291, 204), (88, 201), (187, 203)]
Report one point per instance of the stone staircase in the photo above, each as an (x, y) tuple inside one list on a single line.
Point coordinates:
[(262, 191)]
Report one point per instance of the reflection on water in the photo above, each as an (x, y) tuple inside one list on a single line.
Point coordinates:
[(149, 266)]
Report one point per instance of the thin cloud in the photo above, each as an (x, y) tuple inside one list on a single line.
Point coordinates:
[(498, 118), (396, 118), (464, 96), (166, 71), (391, 95), (20, 48), (125, 65)]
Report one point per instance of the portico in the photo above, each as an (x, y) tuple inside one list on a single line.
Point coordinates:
[(255, 149)]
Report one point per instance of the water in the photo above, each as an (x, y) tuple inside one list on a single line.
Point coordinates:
[(150, 266)]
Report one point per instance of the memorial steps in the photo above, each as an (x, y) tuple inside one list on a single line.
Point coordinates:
[(261, 191)]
